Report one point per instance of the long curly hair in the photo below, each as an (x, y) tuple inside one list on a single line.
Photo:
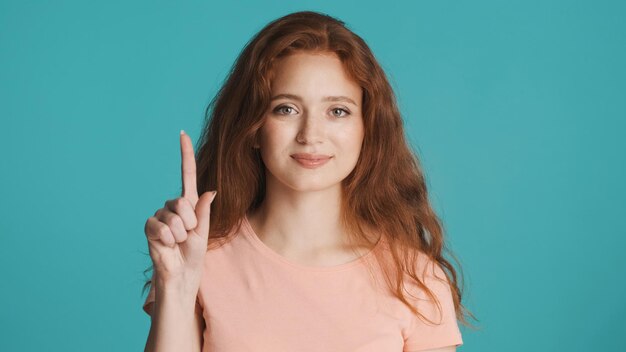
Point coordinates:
[(386, 190)]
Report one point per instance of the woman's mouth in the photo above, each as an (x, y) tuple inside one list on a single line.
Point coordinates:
[(311, 161)]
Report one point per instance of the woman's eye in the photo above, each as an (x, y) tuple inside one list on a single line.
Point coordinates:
[(340, 109), (281, 109)]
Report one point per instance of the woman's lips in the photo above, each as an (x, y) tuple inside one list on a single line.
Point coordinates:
[(310, 156), (310, 161)]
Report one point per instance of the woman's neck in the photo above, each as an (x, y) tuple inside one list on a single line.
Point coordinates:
[(300, 221)]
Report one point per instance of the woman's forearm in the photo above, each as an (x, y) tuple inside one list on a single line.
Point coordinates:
[(174, 326)]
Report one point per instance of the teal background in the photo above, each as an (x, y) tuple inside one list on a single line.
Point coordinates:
[(517, 110)]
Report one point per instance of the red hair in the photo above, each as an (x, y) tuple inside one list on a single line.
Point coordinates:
[(386, 191)]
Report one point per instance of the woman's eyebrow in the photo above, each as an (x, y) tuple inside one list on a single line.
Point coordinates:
[(327, 98)]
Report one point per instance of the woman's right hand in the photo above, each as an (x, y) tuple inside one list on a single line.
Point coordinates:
[(178, 233)]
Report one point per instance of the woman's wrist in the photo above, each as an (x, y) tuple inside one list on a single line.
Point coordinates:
[(186, 286)]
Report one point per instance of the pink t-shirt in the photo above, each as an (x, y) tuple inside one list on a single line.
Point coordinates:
[(254, 299)]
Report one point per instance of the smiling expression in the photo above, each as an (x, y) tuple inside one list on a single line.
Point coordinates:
[(313, 130)]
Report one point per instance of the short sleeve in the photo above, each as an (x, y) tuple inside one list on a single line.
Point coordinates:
[(422, 335), (147, 305)]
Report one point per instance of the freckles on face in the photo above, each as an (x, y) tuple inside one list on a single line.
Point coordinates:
[(316, 109)]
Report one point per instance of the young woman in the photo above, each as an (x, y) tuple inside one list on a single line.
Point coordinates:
[(320, 236)]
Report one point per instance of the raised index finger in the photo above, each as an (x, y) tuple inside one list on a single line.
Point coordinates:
[(188, 168)]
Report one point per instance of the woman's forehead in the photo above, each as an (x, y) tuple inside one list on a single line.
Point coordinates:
[(319, 76)]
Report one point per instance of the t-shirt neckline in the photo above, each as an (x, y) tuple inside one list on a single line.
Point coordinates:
[(268, 252)]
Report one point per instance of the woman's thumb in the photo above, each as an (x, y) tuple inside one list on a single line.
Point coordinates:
[(203, 213)]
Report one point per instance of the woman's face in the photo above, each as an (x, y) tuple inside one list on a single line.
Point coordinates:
[(315, 112)]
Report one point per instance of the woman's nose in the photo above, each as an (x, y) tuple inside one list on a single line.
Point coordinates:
[(311, 129)]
